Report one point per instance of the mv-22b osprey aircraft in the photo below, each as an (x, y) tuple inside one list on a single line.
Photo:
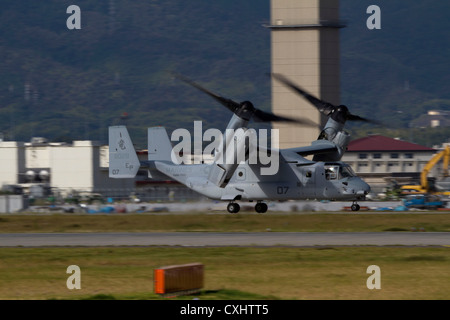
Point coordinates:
[(324, 177)]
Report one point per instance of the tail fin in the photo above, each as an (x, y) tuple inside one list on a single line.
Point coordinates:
[(159, 145), (123, 160)]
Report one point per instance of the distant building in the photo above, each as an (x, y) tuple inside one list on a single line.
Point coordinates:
[(60, 167), (433, 119), (381, 160), (39, 168)]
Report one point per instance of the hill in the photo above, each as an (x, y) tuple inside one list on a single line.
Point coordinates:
[(72, 84), (401, 71)]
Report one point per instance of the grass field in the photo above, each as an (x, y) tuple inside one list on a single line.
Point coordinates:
[(230, 272), (282, 222)]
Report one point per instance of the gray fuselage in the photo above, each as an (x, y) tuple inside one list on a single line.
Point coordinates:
[(300, 179)]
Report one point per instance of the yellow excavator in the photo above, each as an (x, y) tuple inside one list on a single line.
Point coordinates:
[(427, 186)]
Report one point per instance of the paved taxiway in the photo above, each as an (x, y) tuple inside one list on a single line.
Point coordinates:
[(195, 239)]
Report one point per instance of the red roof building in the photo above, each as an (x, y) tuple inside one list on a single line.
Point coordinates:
[(381, 143), (381, 160)]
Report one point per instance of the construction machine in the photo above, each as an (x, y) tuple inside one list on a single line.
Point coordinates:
[(429, 185)]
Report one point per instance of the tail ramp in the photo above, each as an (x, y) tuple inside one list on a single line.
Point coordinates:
[(123, 160)]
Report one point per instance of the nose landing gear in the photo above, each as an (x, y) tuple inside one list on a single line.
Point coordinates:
[(355, 206)]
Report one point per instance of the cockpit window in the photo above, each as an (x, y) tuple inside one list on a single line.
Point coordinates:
[(338, 171), (331, 172), (347, 171)]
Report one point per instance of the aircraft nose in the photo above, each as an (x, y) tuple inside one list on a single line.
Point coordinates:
[(356, 187), (363, 188)]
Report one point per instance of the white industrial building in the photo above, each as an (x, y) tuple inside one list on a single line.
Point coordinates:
[(78, 169), (64, 168)]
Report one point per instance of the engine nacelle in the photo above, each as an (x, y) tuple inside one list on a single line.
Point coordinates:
[(341, 140), (227, 160)]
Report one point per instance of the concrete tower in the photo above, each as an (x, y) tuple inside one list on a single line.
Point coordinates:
[(305, 48)]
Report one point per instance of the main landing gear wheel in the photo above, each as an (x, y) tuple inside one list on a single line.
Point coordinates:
[(233, 207), (355, 207), (261, 207)]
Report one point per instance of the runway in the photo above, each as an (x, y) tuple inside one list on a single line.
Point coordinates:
[(199, 239)]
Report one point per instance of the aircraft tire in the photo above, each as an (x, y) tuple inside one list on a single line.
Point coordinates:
[(355, 207), (261, 207), (233, 207)]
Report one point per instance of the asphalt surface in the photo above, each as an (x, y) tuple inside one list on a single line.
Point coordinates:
[(198, 239)]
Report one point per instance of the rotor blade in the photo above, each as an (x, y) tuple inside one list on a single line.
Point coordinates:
[(262, 116), (323, 106), (353, 117), (228, 103)]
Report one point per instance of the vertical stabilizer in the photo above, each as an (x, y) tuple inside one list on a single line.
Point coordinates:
[(159, 145), (123, 160)]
